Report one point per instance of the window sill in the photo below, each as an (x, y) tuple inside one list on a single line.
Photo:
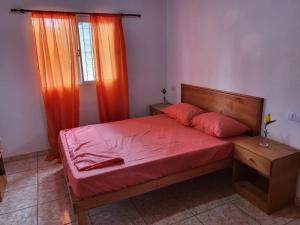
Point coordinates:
[(87, 82)]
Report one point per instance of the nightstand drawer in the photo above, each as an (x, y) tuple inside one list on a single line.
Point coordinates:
[(260, 164)]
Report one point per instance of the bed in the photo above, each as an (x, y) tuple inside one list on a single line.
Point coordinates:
[(157, 150)]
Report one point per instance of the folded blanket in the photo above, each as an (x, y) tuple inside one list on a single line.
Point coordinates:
[(87, 161), (88, 156)]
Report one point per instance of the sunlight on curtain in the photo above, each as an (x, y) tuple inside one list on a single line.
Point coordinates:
[(57, 59), (110, 67)]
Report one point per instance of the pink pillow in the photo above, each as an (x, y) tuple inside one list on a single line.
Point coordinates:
[(218, 125), (182, 112)]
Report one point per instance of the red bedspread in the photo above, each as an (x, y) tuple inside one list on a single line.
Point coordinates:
[(151, 147)]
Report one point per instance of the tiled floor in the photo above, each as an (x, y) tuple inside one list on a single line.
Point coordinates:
[(37, 194)]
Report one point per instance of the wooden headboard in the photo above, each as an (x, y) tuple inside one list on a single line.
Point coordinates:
[(244, 108)]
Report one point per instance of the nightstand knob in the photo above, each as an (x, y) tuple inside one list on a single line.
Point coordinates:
[(251, 159)]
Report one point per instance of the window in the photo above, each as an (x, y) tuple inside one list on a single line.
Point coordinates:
[(86, 50)]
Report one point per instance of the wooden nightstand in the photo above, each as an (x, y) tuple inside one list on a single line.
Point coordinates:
[(3, 180), (155, 109), (267, 177)]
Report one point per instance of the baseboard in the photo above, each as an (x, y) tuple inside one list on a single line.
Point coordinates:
[(25, 156)]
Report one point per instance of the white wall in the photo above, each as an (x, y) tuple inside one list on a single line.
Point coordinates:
[(22, 121), (245, 46)]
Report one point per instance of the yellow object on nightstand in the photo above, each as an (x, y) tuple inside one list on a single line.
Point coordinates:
[(267, 177), (156, 109)]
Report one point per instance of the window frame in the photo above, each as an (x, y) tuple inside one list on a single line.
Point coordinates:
[(81, 19)]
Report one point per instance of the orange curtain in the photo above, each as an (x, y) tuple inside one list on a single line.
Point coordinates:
[(57, 59), (110, 67)]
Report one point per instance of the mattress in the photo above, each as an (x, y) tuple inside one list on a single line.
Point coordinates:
[(152, 147)]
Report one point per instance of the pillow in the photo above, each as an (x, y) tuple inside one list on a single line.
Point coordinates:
[(218, 125), (182, 112)]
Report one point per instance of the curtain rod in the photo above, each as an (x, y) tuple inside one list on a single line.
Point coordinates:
[(23, 11)]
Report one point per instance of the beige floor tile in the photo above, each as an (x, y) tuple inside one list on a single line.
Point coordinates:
[(50, 173), (119, 213), (27, 216), (43, 163), (43, 152), (294, 222), (225, 190), (20, 157), (187, 186), (231, 198), (21, 165), (189, 221), (216, 186), (221, 182), (179, 190), (21, 179), (55, 212), (226, 214), (16, 199), (165, 211), (156, 195), (206, 192), (278, 218), (52, 190), (201, 199)]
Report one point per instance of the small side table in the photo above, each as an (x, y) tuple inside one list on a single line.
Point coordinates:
[(156, 109), (267, 177), (3, 180)]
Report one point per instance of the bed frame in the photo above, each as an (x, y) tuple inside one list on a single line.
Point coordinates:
[(246, 109)]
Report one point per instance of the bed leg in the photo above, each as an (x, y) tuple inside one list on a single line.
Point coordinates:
[(82, 218)]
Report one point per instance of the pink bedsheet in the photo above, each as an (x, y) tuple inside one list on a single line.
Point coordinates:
[(91, 153), (152, 147)]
